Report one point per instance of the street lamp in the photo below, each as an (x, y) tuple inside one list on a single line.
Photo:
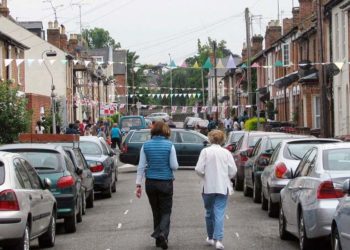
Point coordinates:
[(51, 53), (171, 83)]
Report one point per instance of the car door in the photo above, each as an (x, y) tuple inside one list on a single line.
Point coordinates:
[(109, 161), (45, 201), (32, 195), (268, 170), (248, 168), (88, 180), (191, 145)]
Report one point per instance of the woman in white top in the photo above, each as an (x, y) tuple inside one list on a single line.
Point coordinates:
[(39, 129), (217, 167)]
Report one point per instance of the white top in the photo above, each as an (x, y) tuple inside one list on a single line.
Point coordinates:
[(41, 131), (236, 126), (228, 123), (217, 167)]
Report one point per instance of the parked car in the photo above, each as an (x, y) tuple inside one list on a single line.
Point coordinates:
[(52, 162), (102, 164), (159, 116), (283, 163), (242, 152), (309, 200), (189, 122), (258, 160), (232, 140), (188, 145), (340, 224), (130, 122), (24, 198)]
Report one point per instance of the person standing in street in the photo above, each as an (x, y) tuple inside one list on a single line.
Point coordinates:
[(157, 162), (116, 136), (39, 129), (217, 167), (228, 123)]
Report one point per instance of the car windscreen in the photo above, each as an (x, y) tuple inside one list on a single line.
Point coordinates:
[(2, 173), (235, 137), (336, 159), (252, 140), (90, 148), (273, 142), (42, 160), (131, 122), (140, 136)]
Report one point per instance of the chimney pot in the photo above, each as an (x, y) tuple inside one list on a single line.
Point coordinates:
[(50, 25), (56, 24)]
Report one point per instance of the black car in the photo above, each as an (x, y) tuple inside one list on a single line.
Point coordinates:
[(188, 145)]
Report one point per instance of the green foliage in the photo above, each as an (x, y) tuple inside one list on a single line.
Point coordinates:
[(99, 38), (252, 123), (14, 116), (115, 117)]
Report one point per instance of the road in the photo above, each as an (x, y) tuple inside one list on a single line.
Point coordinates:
[(125, 222)]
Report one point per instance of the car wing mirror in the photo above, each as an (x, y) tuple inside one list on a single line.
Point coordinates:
[(346, 186), (47, 183)]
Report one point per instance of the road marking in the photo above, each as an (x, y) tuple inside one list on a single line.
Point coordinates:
[(126, 212), (119, 226), (237, 235), (227, 218)]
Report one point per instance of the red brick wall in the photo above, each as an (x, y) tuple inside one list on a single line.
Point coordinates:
[(121, 86), (53, 37), (273, 33), (34, 104)]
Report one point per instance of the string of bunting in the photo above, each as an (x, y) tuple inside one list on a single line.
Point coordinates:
[(207, 65)]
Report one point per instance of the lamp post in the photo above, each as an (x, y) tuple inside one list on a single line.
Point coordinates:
[(171, 83), (51, 53)]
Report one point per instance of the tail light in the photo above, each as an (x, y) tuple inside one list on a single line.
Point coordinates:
[(243, 156), (8, 201), (326, 190), (97, 168), (281, 170), (65, 182)]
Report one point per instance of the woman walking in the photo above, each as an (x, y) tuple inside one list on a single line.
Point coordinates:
[(157, 162), (116, 136), (217, 167)]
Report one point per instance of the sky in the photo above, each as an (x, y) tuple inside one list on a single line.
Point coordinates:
[(158, 30)]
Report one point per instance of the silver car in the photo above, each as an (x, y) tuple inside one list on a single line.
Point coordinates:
[(341, 221), (284, 160), (309, 200), (27, 207)]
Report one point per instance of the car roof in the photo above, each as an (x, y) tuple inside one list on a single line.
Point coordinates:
[(333, 145), (310, 139), (89, 138), (273, 136), (4, 154), (31, 146)]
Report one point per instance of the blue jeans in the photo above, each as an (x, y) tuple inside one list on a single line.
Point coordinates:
[(215, 205)]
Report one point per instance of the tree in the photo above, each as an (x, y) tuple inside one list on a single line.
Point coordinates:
[(99, 38), (14, 116)]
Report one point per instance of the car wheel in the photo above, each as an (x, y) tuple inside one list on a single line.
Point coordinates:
[(304, 241), (90, 199), (246, 190), (256, 191), (284, 235), (272, 209), (238, 183), (336, 245), (70, 223), (24, 242), (264, 203), (48, 238), (80, 211), (108, 192)]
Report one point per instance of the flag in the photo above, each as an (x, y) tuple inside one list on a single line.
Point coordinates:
[(173, 109), (184, 109)]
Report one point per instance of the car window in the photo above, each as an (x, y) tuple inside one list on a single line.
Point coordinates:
[(90, 148), (239, 143), (69, 164), (79, 159), (275, 154), (235, 137), (336, 159), (22, 174), (131, 122), (2, 173), (257, 147), (309, 163), (187, 137), (140, 136), (33, 176), (273, 142), (104, 148), (296, 150), (301, 164), (252, 140)]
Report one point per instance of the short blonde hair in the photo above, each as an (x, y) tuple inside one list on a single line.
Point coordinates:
[(216, 137)]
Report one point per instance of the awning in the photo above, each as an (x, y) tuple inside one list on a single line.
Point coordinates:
[(311, 78), (286, 80)]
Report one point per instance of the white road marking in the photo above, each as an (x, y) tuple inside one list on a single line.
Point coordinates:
[(119, 226), (227, 218), (237, 235), (126, 212)]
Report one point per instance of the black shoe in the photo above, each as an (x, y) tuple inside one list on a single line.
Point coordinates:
[(163, 243), (157, 242)]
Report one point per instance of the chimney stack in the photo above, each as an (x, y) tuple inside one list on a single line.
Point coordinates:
[(4, 10), (287, 25), (53, 34), (257, 44), (305, 8), (63, 39), (244, 52), (273, 33), (73, 43), (296, 16)]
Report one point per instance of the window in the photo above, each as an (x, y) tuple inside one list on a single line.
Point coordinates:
[(286, 57), (275, 154), (22, 174), (336, 34), (70, 165), (309, 163), (336, 159), (190, 138), (33, 176), (317, 112), (140, 137), (90, 148), (98, 59), (343, 32)]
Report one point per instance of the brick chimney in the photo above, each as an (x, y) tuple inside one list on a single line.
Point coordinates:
[(4, 10), (257, 44), (287, 25), (53, 34), (273, 33), (244, 52), (296, 16), (63, 39), (305, 8), (72, 43)]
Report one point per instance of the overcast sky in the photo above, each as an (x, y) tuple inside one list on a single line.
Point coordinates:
[(156, 29)]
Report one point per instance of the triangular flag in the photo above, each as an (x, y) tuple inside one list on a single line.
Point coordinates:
[(40, 61), (207, 64), (219, 65), (30, 62), (52, 61), (172, 64), (196, 66), (184, 65), (255, 65), (339, 65), (86, 62), (231, 63), (75, 62), (244, 66), (63, 61), (19, 62), (278, 63), (8, 62)]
